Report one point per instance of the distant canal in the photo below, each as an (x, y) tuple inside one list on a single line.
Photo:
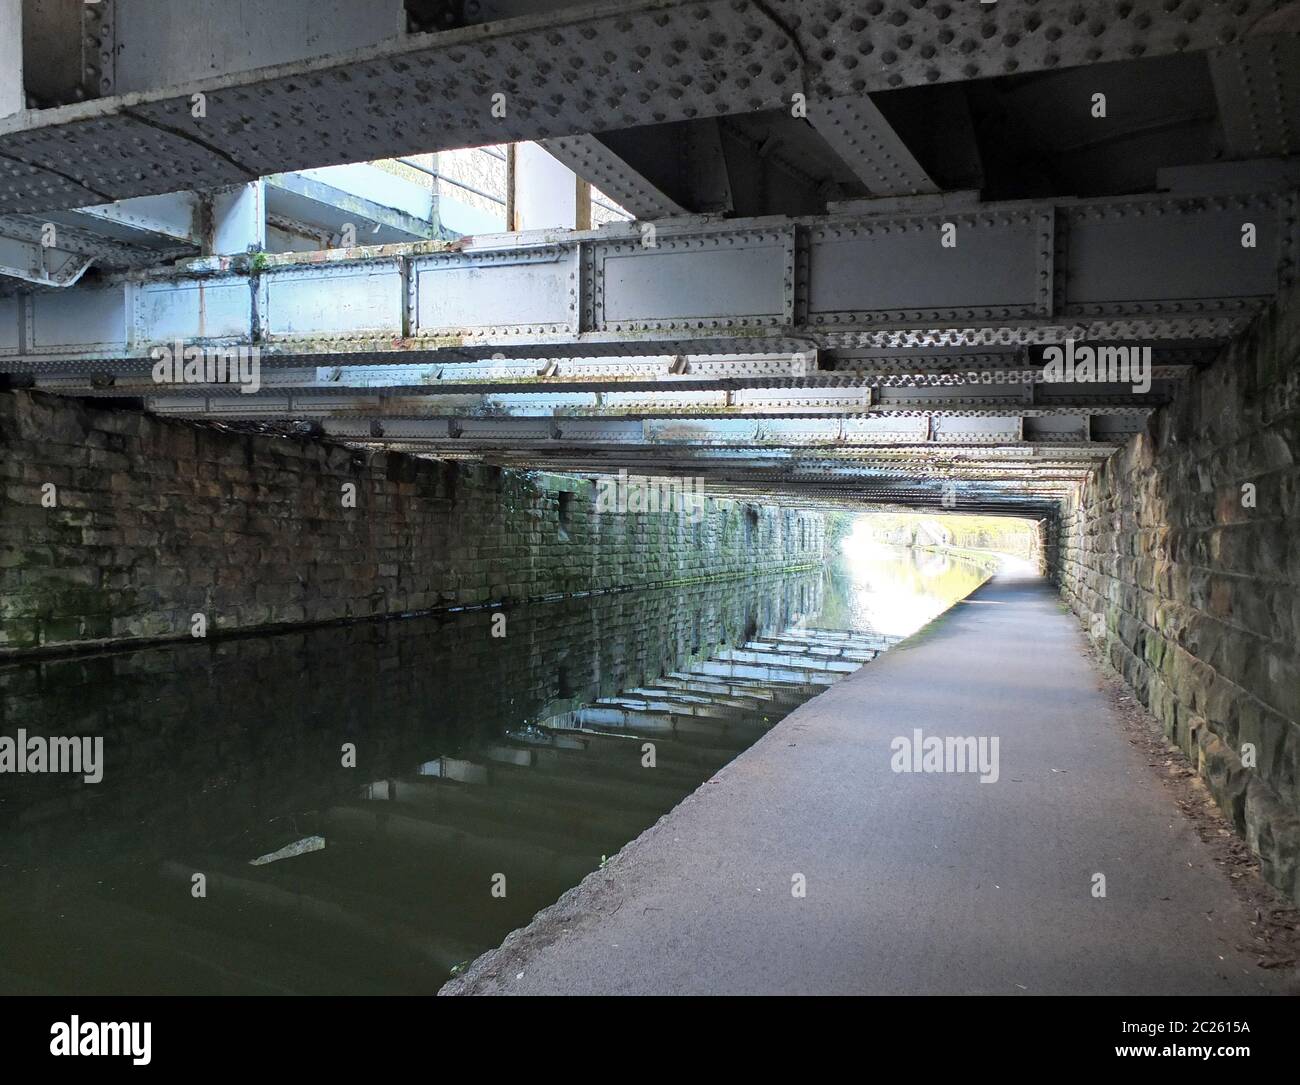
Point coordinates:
[(365, 808)]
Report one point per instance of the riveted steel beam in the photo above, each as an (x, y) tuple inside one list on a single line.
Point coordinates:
[(1000, 475), (865, 141), (1136, 269), (878, 488), (306, 387), (683, 434), (173, 217), (269, 404), (40, 266), (1257, 84), (1035, 472), (1035, 464), (77, 237), (57, 248), (294, 198), (578, 69), (857, 400), (593, 161)]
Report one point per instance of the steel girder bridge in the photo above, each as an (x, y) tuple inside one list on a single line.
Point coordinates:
[(858, 227)]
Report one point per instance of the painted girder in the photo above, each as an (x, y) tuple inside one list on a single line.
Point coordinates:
[(1140, 268), (689, 433), (593, 161), (589, 67), (786, 403), (24, 258), (996, 482), (1039, 473), (1025, 474), (981, 386), (300, 200), (1257, 84), (1035, 463), (859, 134)]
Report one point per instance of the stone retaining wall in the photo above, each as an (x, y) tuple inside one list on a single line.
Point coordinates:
[(117, 525), (1181, 554)]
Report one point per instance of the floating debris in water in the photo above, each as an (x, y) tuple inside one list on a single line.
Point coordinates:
[(298, 847)]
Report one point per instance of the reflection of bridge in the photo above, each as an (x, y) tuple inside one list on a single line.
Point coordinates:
[(764, 678), (544, 803)]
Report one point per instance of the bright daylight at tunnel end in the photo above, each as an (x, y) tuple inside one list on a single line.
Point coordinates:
[(653, 498)]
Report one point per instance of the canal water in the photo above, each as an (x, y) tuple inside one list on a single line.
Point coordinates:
[(365, 808)]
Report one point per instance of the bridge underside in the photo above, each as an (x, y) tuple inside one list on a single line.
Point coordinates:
[(1034, 258), (858, 236)]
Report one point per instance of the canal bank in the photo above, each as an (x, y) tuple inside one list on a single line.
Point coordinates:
[(808, 865), (374, 804)]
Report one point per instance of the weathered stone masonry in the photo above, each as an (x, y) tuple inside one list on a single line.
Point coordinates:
[(158, 520), (1181, 554)]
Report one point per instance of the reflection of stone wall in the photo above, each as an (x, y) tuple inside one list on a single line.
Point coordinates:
[(1181, 553), (158, 520), (199, 738)]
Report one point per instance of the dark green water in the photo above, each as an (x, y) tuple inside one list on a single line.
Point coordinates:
[(481, 788)]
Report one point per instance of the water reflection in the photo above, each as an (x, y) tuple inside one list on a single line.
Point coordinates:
[(895, 591), (371, 805)]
